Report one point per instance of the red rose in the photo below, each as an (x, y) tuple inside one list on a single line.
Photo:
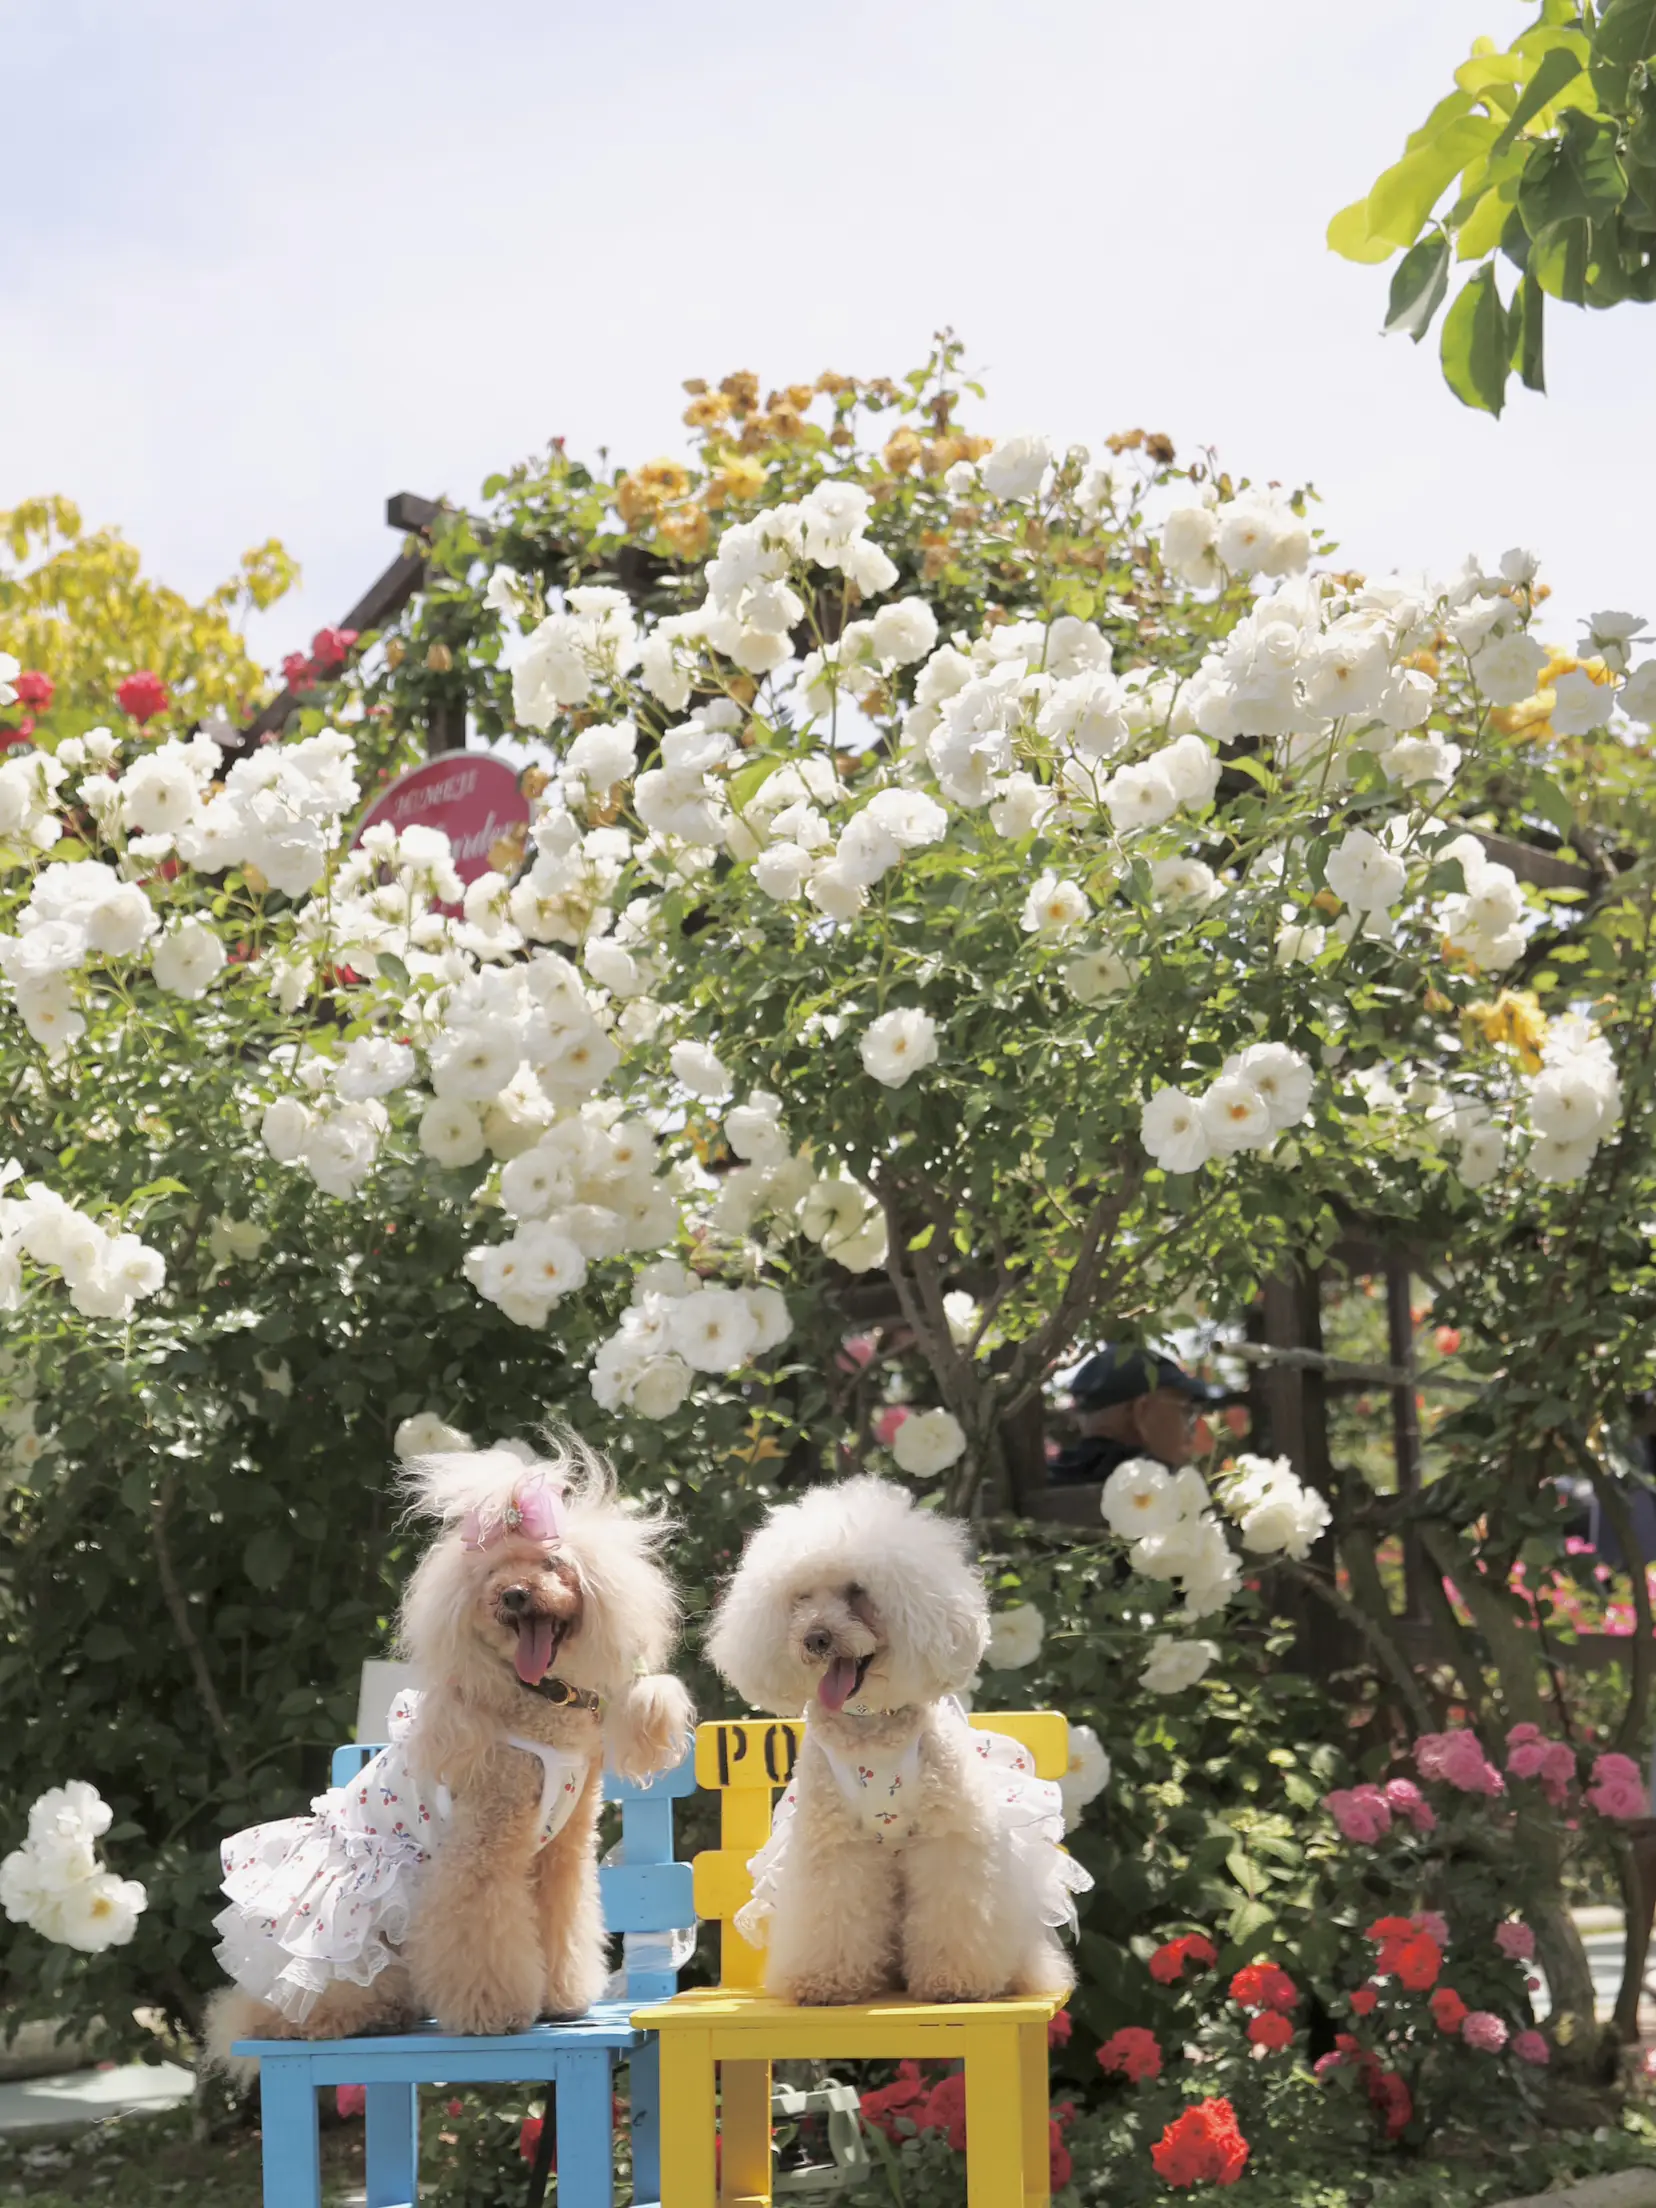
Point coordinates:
[(1264, 1986), (1448, 2009), (1390, 2099), (1059, 2029), (886, 2103), (1417, 1962), (1168, 1962), (330, 646), (1448, 1340), (1060, 2167), (297, 671), (529, 2138), (1364, 1999), (35, 690), (946, 2109), (143, 695), (1202, 2147), (1132, 2053), (351, 2100), (1270, 2030), (454, 2108)]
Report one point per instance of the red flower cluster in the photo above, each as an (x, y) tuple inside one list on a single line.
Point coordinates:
[(1202, 2147), (1388, 2094), (143, 695), (1132, 2053), (350, 2100), (34, 690), (1272, 2030), (1448, 2010), (1264, 1986), (928, 2107), (329, 651), (1168, 1962), (1407, 1952), (1059, 2029), (1364, 1999), (529, 2138)]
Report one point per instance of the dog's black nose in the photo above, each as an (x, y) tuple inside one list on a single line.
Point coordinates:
[(818, 1644), (514, 1601)]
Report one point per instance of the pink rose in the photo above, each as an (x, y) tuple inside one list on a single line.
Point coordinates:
[(1484, 2031), (1531, 2047), (1405, 1799), (886, 1425), (350, 2100), (1360, 1812), (1434, 1924), (1618, 1788), (1515, 1941), (1456, 1758)]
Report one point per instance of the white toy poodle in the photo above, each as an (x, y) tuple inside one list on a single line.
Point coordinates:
[(909, 1849)]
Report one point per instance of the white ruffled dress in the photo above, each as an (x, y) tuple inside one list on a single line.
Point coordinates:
[(874, 1785), (328, 1897)]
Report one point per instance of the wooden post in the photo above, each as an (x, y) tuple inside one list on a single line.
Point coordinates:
[(1405, 1418), (1295, 1402)]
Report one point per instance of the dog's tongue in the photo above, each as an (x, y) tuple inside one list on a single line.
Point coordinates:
[(837, 1683), (534, 1650)]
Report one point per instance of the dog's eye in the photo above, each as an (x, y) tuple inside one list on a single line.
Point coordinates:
[(854, 1593)]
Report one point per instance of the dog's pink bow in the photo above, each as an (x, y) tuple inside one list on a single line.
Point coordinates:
[(535, 1513)]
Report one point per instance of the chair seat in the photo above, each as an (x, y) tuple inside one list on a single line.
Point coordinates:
[(427, 2056), (785, 2031)]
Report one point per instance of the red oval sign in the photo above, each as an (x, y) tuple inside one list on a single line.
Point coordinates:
[(474, 798)]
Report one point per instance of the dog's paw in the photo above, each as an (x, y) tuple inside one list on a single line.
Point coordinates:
[(953, 1986), (830, 1991), (484, 2016)]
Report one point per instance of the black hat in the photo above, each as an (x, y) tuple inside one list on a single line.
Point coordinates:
[(1121, 1375)]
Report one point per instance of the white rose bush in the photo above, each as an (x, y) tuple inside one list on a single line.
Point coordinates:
[(980, 899)]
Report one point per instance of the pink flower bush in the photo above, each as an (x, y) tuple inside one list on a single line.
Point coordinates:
[(1530, 1755), (1618, 1788), (1434, 1924), (1405, 1799), (1456, 1758), (1362, 1812), (1531, 2047), (1515, 1941), (1485, 2031)]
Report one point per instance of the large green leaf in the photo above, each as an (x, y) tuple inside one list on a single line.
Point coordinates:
[(1554, 73), (1626, 35), (1576, 176), (1417, 287), (1559, 260), (1474, 346), (1405, 194), (1524, 322), (1348, 235)]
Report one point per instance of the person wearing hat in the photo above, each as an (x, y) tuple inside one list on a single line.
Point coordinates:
[(1132, 1402)]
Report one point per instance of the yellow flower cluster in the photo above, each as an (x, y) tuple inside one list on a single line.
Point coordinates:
[(1515, 1018)]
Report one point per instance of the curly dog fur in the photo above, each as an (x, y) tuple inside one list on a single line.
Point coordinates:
[(854, 1596), (503, 1933)]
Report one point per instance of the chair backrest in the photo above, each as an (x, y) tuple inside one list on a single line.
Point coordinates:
[(646, 1895), (747, 1759)]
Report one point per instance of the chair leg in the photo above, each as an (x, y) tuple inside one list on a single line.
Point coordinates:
[(745, 2129), (1034, 2097), (393, 2156), (687, 2171), (644, 2092), (994, 2132), (287, 2105), (586, 2131)]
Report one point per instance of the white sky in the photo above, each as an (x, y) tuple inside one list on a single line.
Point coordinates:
[(266, 263)]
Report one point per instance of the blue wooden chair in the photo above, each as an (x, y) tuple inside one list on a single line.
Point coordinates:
[(646, 1897)]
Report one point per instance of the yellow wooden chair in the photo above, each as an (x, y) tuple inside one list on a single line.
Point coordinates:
[(730, 2034)]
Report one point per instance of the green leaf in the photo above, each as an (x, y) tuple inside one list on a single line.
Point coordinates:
[(392, 967), (1417, 287), (1550, 802), (1575, 176), (1474, 347), (746, 783), (1405, 194), (267, 1556), (1348, 235), (1524, 320), (1626, 35), (1555, 72), (1559, 262), (1248, 1920)]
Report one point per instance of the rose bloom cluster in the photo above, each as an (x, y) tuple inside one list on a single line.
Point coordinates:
[(55, 1884), (106, 1274), (1174, 1534)]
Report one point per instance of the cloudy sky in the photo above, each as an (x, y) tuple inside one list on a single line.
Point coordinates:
[(282, 259)]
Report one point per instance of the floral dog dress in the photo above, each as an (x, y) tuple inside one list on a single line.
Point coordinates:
[(327, 1897), (877, 1785)]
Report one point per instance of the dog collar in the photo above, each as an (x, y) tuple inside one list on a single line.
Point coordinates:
[(563, 1696)]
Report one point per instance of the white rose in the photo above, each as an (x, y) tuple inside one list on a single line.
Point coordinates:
[(927, 1442), (425, 1434), (1015, 1635), (698, 1069), (1054, 906), (285, 1127), (1086, 1776), (899, 1044), (1096, 975), (451, 1134), (188, 959), (1580, 704), (1363, 874), (661, 1387), (1174, 1665), (713, 1329), (1141, 1497), (371, 1066), (1187, 545), (1174, 1132), (1015, 467)]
